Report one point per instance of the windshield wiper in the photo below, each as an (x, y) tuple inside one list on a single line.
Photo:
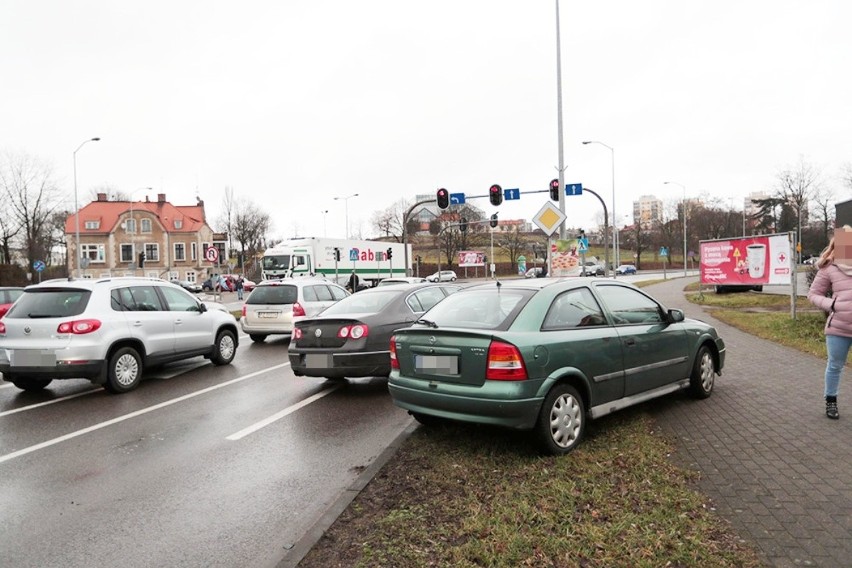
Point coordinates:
[(426, 322)]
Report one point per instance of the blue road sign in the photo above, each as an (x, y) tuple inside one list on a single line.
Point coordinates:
[(456, 198), (510, 194), (573, 189), (583, 244), (664, 251), (353, 254), (38, 265)]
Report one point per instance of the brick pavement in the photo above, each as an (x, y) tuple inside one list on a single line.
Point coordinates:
[(772, 463)]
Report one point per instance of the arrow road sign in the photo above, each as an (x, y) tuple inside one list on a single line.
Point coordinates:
[(456, 198), (510, 194), (573, 189)]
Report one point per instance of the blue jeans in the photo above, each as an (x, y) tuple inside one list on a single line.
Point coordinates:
[(838, 350)]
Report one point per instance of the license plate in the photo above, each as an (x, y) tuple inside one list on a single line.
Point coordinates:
[(318, 361), (444, 364), (267, 314), (33, 358)]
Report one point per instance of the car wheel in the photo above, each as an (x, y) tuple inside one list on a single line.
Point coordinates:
[(257, 338), (428, 419), (225, 348), (31, 385), (453, 279), (124, 372), (561, 420), (758, 288), (703, 375)]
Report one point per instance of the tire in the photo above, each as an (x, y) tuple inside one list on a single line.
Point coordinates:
[(453, 279), (758, 288), (31, 385), (257, 338), (124, 371), (428, 419), (703, 375), (224, 348), (561, 420)]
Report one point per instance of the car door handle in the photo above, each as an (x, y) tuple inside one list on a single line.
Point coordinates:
[(630, 341)]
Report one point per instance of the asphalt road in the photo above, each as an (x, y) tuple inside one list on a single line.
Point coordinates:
[(200, 466)]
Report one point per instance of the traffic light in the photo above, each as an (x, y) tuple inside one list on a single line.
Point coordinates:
[(463, 225), (443, 198), (493, 221), (554, 189), (389, 253), (495, 195), (141, 260), (337, 254)]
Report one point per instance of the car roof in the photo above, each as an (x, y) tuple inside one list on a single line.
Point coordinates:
[(91, 283), (301, 281)]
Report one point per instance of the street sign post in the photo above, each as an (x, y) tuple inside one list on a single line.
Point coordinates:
[(457, 199)]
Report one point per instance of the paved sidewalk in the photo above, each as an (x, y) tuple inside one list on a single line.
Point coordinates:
[(770, 460)]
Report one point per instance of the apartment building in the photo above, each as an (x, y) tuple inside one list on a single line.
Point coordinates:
[(114, 235)]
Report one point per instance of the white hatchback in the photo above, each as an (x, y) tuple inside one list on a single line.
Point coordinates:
[(274, 305), (443, 276)]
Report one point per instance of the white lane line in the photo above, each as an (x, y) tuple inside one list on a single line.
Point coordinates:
[(279, 415), (118, 419), (45, 403)]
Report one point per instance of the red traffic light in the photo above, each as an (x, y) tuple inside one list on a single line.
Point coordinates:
[(443, 198), (495, 194), (554, 189)]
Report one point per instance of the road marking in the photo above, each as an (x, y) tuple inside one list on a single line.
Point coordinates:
[(54, 401), (279, 415), (94, 427)]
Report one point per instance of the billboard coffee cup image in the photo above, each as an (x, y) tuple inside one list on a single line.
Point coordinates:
[(756, 260)]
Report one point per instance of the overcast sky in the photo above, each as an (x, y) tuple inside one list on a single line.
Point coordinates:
[(292, 103)]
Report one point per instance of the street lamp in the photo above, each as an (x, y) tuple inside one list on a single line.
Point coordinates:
[(78, 252), (346, 202), (683, 206), (615, 250)]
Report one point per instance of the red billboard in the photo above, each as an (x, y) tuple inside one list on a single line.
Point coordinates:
[(764, 259)]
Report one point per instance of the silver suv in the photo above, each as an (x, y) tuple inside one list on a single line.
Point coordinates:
[(107, 331), (274, 305)]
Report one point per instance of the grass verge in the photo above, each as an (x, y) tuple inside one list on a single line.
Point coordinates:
[(460, 495)]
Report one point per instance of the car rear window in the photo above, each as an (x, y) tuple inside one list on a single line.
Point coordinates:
[(50, 303), (276, 294), (488, 308), (363, 303)]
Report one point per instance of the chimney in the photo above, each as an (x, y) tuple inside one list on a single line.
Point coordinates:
[(161, 198), (102, 197)]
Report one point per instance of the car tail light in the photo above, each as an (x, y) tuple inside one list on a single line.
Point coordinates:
[(4, 308), (505, 363), (393, 359), (297, 334), (298, 310), (2, 328), (356, 331), (244, 310), (79, 327)]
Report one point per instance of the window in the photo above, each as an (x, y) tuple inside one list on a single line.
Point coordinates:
[(190, 276), (152, 252), (338, 292), (178, 224), (193, 251), (93, 225), (130, 226), (126, 253), (180, 251), (95, 253), (574, 308), (135, 299), (323, 293), (630, 306), (424, 299), (146, 225), (179, 301)]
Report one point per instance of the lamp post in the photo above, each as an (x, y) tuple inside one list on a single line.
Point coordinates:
[(346, 202), (683, 206), (615, 251), (324, 214), (77, 251)]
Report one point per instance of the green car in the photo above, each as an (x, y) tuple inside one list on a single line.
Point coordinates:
[(546, 355)]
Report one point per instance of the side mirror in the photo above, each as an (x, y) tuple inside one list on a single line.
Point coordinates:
[(202, 307), (675, 316)]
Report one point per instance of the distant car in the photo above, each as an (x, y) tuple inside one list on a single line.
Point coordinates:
[(547, 355), (811, 260), (8, 295), (248, 285), (626, 269), (443, 276), (593, 269), (534, 272), (109, 331), (188, 286), (351, 338), (402, 280), (275, 305)]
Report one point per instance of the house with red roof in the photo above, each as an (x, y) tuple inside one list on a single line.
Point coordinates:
[(142, 238)]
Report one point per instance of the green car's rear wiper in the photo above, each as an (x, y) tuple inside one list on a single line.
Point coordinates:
[(426, 322)]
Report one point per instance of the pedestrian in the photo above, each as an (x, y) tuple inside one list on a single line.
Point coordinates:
[(239, 286), (353, 282), (831, 291)]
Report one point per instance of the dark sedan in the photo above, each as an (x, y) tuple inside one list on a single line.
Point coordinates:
[(351, 337), (547, 355)]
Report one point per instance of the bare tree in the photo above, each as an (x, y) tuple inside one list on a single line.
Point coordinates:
[(226, 218), (795, 187), (31, 195), (250, 226), (513, 242), (824, 200)]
